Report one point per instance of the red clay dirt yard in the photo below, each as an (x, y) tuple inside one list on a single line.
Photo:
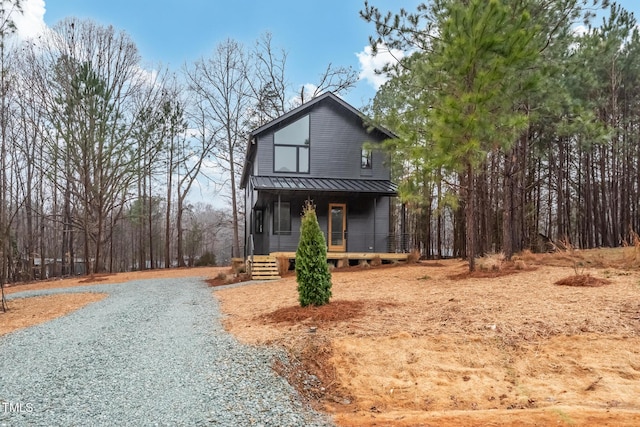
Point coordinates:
[(428, 344)]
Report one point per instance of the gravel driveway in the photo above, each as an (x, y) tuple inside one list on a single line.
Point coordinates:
[(152, 353)]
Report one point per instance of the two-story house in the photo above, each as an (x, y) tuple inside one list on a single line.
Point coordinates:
[(318, 151)]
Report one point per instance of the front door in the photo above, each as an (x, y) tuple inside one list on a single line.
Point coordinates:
[(337, 227)]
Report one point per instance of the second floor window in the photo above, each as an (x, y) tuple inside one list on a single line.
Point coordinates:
[(365, 162), (291, 147)]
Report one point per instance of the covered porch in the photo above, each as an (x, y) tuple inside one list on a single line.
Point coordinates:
[(353, 214)]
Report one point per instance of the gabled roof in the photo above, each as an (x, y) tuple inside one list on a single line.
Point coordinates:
[(327, 96), (288, 183), (310, 104)]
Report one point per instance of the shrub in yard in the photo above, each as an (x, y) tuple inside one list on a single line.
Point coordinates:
[(207, 259), (312, 273), (519, 264), (491, 262)]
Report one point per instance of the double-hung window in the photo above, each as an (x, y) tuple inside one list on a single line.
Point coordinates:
[(291, 147)]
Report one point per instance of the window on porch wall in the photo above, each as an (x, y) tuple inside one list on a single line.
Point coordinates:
[(281, 218)]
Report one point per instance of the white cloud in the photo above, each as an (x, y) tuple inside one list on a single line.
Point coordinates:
[(580, 30), (30, 23), (149, 77), (307, 90), (369, 63)]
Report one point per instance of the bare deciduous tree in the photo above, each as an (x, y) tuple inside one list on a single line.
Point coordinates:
[(7, 28), (220, 88), (90, 76), (272, 93)]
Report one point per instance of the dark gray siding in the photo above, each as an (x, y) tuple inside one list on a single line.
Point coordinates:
[(365, 234), (362, 236), (336, 139), (383, 210), (264, 156), (336, 143)]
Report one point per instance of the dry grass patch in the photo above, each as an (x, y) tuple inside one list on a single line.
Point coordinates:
[(26, 312), (625, 258), (223, 278)]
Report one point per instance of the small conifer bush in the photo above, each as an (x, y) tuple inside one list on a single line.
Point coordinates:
[(312, 273)]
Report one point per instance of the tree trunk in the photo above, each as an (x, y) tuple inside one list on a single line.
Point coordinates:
[(507, 206), (167, 236), (470, 216), (179, 242), (150, 224), (439, 218), (234, 198)]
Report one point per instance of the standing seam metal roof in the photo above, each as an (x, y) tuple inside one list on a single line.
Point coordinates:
[(324, 184)]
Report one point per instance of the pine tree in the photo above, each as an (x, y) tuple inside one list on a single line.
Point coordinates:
[(312, 272), (466, 87)]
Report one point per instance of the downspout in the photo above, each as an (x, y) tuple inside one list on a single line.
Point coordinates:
[(278, 222)]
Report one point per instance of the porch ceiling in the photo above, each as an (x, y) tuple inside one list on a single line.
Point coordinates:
[(288, 183)]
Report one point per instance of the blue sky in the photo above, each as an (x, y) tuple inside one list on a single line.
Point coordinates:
[(314, 33), (172, 33)]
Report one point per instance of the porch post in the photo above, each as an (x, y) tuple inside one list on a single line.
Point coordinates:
[(375, 208), (278, 222), (251, 227)]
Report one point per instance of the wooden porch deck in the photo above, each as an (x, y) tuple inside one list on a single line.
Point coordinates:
[(266, 267)]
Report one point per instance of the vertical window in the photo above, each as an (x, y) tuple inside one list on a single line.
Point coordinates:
[(291, 147), (281, 218), (365, 158), (259, 221)]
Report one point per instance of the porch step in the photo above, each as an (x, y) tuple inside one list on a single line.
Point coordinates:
[(264, 267)]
